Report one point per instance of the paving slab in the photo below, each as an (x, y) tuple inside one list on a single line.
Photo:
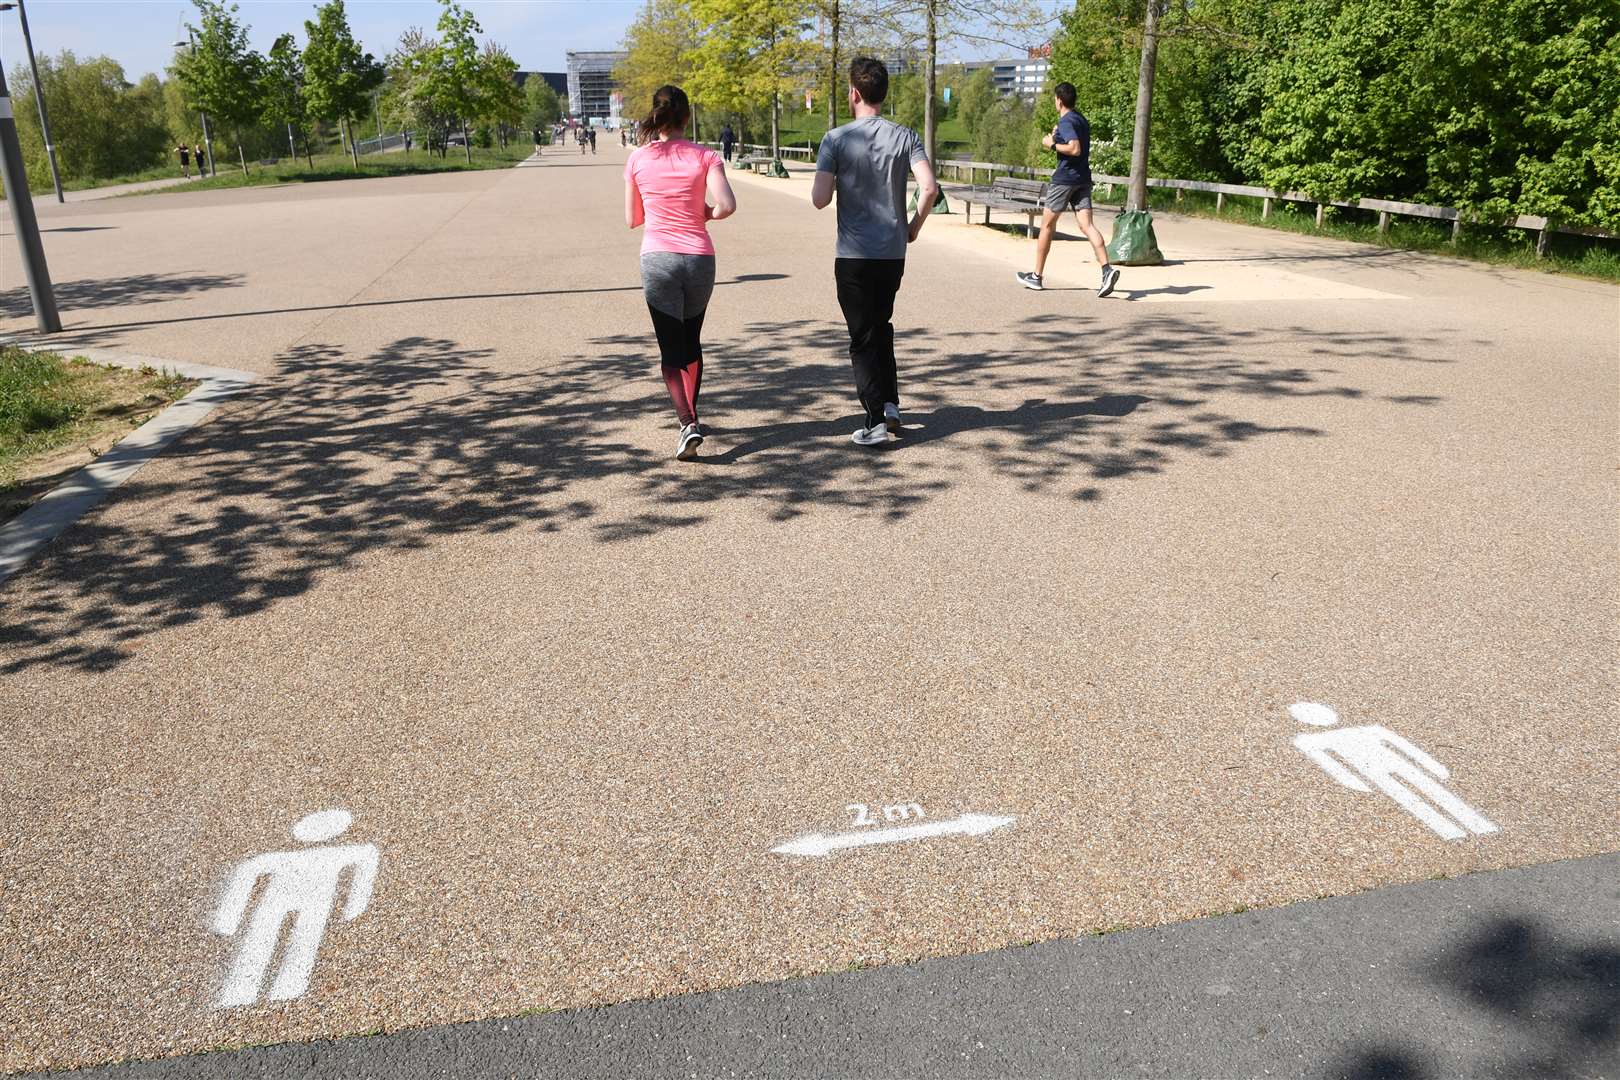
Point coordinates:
[(438, 569)]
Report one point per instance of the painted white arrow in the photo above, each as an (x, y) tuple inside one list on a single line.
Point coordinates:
[(816, 845)]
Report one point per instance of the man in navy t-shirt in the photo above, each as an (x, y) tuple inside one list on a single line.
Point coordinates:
[(1070, 189)]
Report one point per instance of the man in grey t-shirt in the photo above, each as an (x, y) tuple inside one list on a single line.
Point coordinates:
[(866, 163)]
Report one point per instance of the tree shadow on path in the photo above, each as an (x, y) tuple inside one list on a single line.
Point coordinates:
[(1558, 999), (340, 455)]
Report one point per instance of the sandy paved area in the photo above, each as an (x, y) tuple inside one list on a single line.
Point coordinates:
[(438, 569)]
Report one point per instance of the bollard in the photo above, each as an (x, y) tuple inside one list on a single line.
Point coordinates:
[(1383, 222), (1265, 209), (1321, 211), (1220, 201)]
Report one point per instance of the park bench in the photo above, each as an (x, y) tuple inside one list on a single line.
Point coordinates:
[(1005, 193), (763, 164)]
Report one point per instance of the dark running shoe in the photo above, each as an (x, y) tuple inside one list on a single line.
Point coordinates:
[(1110, 279), (1030, 280)]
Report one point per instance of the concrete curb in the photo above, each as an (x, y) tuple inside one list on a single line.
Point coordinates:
[(76, 496)]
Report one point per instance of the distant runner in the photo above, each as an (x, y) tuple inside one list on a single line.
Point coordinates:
[(185, 160), (665, 182), (1070, 189), (866, 162)]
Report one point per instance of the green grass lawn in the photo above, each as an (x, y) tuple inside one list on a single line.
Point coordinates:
[(338, 166), (331, 165), (56, 413)]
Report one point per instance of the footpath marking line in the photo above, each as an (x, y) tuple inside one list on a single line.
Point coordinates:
[(818, 845), (1390, 763), (80, 493), (302, 884)]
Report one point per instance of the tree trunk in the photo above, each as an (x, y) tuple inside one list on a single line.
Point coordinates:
[(833, 80), (1138, 199), (930, 122), (466, 142), (354, 151), (241, 155), (776, 109), (292, 147), (309, 154)]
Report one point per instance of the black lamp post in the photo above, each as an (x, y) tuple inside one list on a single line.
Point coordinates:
[(39, 94)]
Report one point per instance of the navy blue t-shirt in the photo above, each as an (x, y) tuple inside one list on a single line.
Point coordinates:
[(1073, 171)]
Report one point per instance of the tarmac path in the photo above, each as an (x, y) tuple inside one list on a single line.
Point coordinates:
[(438, 569)]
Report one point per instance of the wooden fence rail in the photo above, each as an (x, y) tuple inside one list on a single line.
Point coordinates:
[(1385, 207)]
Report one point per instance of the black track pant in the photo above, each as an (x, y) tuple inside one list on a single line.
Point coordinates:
[(866, 290)]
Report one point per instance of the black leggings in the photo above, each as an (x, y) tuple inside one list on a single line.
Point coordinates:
[(680, 348)]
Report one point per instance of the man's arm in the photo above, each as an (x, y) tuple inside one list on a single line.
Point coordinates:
[(927, 192), (826, 181), (821, 190)]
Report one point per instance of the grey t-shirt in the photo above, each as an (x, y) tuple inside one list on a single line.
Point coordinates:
[(871, 157)]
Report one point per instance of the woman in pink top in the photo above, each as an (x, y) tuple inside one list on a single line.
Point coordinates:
[(665, 182)]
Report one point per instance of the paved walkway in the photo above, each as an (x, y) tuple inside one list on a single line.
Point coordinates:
[(437, 569)]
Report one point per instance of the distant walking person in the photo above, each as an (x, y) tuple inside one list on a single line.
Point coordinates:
[(665, 184), (593, 140), (184, 152), (1070, 189), (866, 163), (727, 140), (197, 156)]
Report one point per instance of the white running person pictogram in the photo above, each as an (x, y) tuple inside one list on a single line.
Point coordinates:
[(302, 884), (1390, 763)]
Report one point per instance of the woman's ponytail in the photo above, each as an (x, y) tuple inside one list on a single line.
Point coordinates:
[(670, 112)]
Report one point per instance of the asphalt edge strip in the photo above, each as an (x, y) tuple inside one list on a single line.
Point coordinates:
[(80, 493)]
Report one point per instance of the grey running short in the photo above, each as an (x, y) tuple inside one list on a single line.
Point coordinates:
[(678, 285), (1061, 197)]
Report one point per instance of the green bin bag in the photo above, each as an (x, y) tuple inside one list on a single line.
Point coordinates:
[(779, 170), (940, 205), (1134, 243)]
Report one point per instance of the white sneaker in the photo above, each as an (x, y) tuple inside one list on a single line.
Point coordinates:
[(876, 435), (891, 416), (691, 439)]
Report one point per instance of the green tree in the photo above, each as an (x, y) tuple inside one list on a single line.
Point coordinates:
[(102, 125), (283, 93), (658, 45), (541, 108), (220, 72), (410, 98), (1521, 105), (339, 75), (978, 96), (501, 102), (454, 81), (751, 52)]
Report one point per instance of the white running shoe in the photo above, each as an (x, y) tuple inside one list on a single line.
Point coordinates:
[(891, 416), (1030, 280), (876, 435), (691, 439)]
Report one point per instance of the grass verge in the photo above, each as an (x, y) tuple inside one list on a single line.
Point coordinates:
[(1582, 256), (340, 167), (56, 415)]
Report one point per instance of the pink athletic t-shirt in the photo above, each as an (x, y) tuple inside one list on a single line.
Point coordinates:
[(672, 178)]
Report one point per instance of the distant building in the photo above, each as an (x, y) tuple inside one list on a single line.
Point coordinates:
[(1024, 76), (591, 87)]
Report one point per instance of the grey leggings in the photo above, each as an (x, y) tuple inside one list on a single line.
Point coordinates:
[(678, 288)]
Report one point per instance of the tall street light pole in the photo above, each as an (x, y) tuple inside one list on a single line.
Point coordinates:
[(23, 222), (208, 140), (39, 95)]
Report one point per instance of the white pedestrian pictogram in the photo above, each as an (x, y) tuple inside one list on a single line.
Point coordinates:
[(302, 884), (1377, 756)]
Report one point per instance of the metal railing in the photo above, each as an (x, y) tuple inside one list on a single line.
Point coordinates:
[(1384, 207), (383, 144)]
